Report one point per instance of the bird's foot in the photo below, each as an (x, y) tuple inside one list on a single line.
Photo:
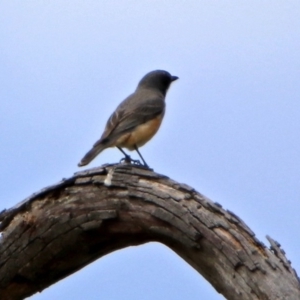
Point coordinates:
[(128, 160)]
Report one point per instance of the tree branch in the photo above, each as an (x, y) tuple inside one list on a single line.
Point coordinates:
[(64, 227)]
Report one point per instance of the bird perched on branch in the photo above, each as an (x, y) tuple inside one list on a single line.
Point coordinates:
[(136, 120)]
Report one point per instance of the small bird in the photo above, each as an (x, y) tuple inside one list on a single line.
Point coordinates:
[(136, 120)]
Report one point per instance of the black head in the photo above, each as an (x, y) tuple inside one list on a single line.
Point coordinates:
[(158, 79)]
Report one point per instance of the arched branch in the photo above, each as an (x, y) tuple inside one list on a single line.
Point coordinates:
[(64, 227)]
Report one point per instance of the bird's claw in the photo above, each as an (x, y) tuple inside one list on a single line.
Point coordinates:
[(128, 160)]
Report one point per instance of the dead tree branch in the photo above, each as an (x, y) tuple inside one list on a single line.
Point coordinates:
[(61, 229)]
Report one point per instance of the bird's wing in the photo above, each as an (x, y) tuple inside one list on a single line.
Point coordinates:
[(140, 114), (129, 114)]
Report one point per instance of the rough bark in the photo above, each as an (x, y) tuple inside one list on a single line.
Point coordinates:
[(64, 227)]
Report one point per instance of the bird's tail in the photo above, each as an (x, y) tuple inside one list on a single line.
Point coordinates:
[(97, 148)]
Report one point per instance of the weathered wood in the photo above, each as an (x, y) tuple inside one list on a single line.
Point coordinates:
[(66, 226)]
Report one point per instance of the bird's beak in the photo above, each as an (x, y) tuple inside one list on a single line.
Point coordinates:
[(173, 78)]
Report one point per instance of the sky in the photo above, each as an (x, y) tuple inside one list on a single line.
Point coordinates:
[(231, 128)]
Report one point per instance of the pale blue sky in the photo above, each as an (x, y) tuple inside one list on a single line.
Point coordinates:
[(231, 128)]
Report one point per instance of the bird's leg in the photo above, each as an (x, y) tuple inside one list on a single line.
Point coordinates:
[(127, 157), (137, 150)]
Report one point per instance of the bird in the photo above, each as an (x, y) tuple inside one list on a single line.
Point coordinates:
[(137, 118)]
